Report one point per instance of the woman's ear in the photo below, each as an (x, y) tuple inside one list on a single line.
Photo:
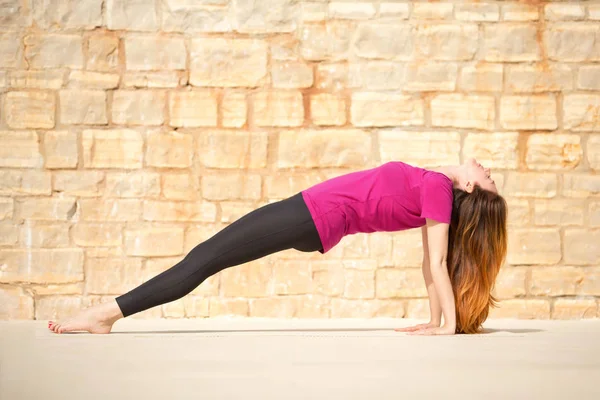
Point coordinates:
[(469, 186)]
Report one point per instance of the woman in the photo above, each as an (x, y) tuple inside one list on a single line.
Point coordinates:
[(463, 220)]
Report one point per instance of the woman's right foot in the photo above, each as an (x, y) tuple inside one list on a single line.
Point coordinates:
[(96, 319)]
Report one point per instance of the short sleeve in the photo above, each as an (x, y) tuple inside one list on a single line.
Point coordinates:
[(436, 198)]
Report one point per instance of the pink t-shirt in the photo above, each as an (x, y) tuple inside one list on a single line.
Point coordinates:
[(392, 197)]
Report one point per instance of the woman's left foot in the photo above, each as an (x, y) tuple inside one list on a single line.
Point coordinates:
[(96, 319)]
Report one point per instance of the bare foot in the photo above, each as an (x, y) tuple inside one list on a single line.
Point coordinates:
[(96, 319)]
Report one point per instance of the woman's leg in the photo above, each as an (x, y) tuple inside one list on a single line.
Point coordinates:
[(274, 227)]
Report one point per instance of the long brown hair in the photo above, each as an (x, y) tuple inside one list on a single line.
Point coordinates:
[(477, 246)]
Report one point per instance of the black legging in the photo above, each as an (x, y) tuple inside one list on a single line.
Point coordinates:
[(271, 228)]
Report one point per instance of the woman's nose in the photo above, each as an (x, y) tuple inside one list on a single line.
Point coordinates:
[(487, 171)]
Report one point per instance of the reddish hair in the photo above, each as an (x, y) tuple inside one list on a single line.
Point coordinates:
[(477, 246)]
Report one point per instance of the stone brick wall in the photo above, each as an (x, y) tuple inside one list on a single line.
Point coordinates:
[(131, 131)]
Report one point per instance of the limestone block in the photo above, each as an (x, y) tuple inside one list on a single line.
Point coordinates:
[(510, 282), (154, 242), (558, 212), (553, 151), (72, 14), (233, 149), (328, 41), (353, 10), (228, 307), (477, 12), (16, 303), (234, 109), (41, 265), (44, 234), (581, 248), (11, 49), (313, 12), (427, 149), (348, 308), (399, 282), (138, 107), (115, 148), (432, 11), (112, 275), (581, 112), (581, 185), (594, 214), (431, 76), (154, 79), (291, 75), (520, 12), (564, 281), (138, 15), (463, 111), (93, 80), (445, 41), (572, 42), (155, 210), (327, 109), (20, 149), (593, 152), (132, 184), (24, 110), (395, 10), (169, 149), (227, 62), (493, 150), (60, 149), (15, 14), (268, 16), (278, 108), (251, 279), (564, 12), (588, 77), (536, 112), (574, 309), (280, 185), (78, 183), (522, 309), (510, 42), (292, 277), (97, 234), (192, 108), (6, 208), (57, 308), (154, 52), (371, 75), (481, 77), (36, 79), (180, 186), (87, 107), (103, 52), (110, 209), (231, 211), (231, 186), (518, 212), (539, 78), (359, 284), (520, 184), (333, 76), (192, 17), (32, 182), (328, 277), (53, 51), (371, 40), (324, 148), (385, 109), (534, 246)]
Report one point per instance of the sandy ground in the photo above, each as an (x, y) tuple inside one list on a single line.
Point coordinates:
[(346, 359)]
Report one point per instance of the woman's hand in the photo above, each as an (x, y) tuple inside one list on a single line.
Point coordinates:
[(428, 325), (442, 330)]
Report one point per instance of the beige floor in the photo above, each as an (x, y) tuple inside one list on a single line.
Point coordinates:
[(300, 359)]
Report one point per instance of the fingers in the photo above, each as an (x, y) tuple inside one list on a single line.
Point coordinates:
[(412, 328)]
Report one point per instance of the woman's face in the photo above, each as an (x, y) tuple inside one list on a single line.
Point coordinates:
[(477, 174)]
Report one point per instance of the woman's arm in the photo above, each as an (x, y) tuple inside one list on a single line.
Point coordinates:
[(437, 242), (435, 308)]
